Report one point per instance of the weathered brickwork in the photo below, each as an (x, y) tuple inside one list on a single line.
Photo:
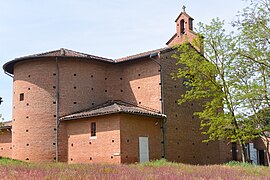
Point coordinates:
[(5, 143), (183, 134), (104, 147), (133, 127)]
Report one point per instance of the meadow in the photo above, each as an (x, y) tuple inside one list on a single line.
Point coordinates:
[(10, 169)]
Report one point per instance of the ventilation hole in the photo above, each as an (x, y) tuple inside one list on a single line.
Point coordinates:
[(191, 104), (26, 130), (90, 158), (54, 87), (140, 102), (10, 147), (177, 142), (90, 143), (175, 102), (111, 157), (162, 142), (13, 119), (74, 102), (207, 157), (112, 140), (53, 143), (139, 87), (159, 83), (27, 159), (54, 158), (2, 149), (160, 99), (139, 74), (27, 104), (75, 74), (71, 159), (121, 90), (105, 90), (71, 145), (126, 156), (29, 76), (92, 89), (175, 86), (28, 88), (159, 70), (105, 78), (74, 87), (54, 102), (128, 140), (54, 74), (193, 156), (193, 143), (93, 104), (27, 144), (121, 78), (176, 128), (162, 156), (206, 144), (176, 115), (92, 76), (192, 117), (54, 129), (27, 117), (178, 156), (54, 115)]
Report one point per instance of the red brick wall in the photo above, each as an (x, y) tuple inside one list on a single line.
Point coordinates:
[(183, 135), (5, 143), (103, 148), (133, 127), (182, 38)]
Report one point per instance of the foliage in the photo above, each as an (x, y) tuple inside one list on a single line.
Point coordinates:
[(231, 79), (22, 170), (241, 164)]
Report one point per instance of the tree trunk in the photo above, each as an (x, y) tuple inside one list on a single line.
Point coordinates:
[(267, 152), (243, 152)]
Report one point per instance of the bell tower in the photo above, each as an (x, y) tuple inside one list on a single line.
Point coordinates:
[(184, 29)]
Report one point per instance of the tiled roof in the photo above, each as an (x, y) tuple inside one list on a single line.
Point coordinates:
[(141, 55), (6, 125), (112, 107), (62, 52), (9, 66)]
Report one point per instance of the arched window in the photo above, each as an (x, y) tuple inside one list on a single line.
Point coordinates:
[(182, 26)]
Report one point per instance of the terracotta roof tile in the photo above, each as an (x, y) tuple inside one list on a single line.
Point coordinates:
[(140, 55), (112, 107), (6, 125)]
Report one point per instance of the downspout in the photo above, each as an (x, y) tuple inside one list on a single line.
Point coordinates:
[(57, 110), (162, 100)]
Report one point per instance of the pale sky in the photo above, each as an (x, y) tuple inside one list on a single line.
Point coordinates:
[(107, 28)]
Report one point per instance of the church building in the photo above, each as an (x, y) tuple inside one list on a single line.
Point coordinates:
[(75, 107)]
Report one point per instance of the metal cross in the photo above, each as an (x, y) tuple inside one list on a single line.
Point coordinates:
[(184, 8)]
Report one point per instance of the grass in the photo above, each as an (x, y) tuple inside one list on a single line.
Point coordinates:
[(160, 169)]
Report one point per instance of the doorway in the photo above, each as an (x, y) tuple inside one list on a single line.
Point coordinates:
[(144, 149)]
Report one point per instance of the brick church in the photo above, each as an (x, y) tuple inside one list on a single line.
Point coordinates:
[(80, 108)]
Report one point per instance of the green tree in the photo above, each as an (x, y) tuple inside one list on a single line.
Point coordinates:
[(231, 80)]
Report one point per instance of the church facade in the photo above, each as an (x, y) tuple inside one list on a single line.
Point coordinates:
[(80, 108)]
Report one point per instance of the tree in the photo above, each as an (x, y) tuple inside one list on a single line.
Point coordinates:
[(231, 80)]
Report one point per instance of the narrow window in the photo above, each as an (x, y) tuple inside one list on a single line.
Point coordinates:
[(21, 96), (190, 24), (182, 26), (93, 129)]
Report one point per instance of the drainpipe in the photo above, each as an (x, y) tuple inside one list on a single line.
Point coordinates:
[(162, 99), (57, 110)]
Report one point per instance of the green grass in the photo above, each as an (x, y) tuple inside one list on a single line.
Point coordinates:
[(159, 169)]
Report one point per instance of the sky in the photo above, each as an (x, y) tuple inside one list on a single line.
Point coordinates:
[(107, 28)]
